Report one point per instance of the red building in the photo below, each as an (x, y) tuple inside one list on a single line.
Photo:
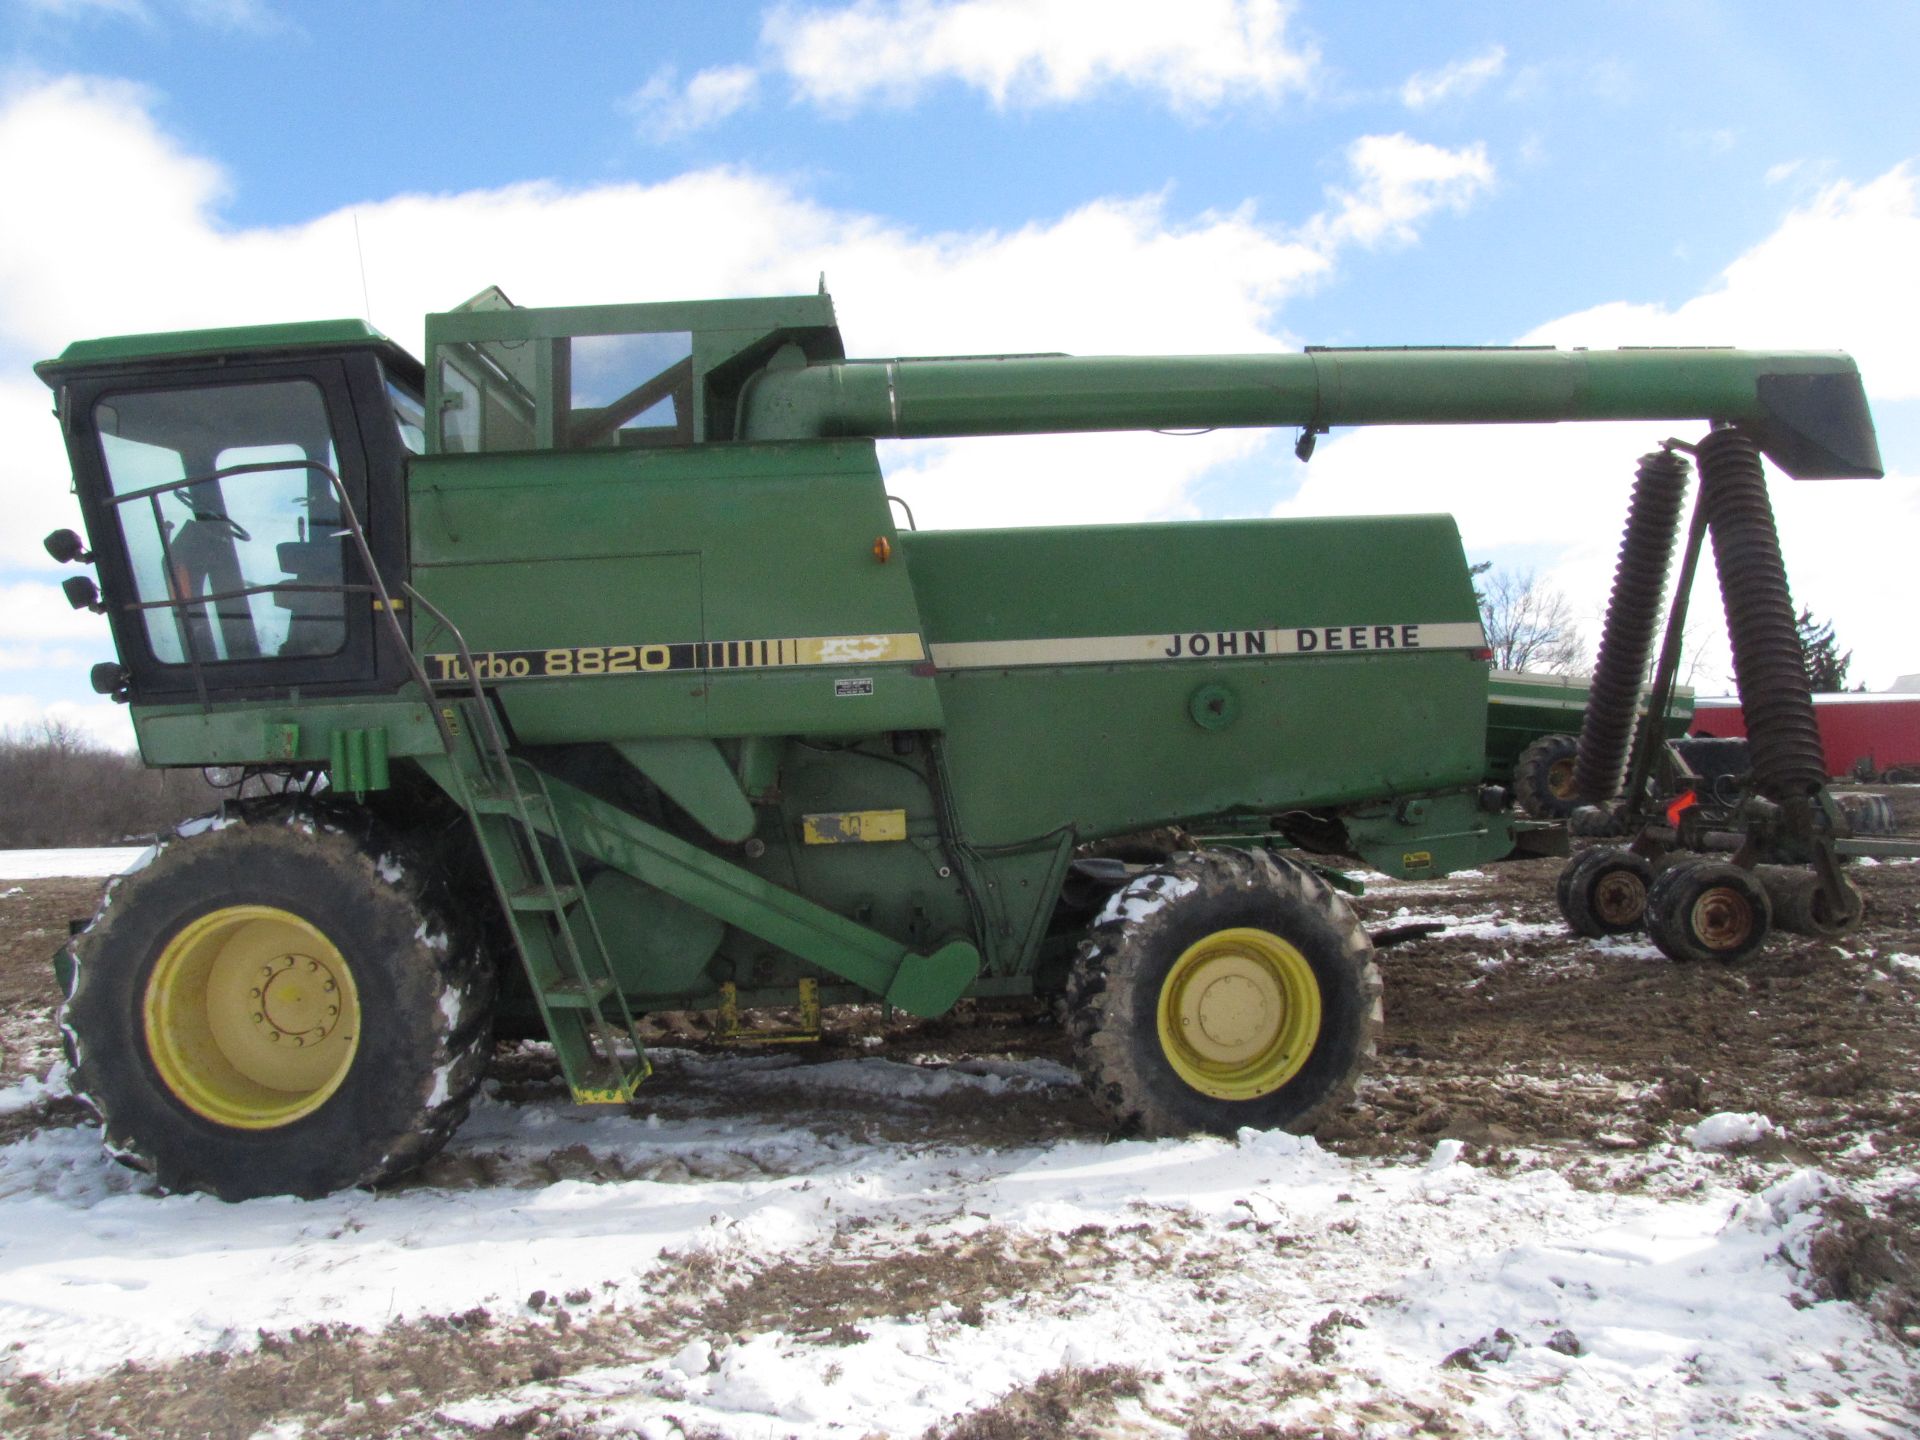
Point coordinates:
[(1876, 733)]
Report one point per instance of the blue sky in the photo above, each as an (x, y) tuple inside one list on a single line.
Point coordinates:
[(1218, 176)]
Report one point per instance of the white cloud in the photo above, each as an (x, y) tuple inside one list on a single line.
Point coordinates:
[(1454, 81), (1785, 170), (1196, 56), (1832, 275), (1212, 283), (36, 612), (665, 109), (102, 719), (1401, 182)]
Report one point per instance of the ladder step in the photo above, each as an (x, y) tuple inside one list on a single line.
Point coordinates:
[(538, 897), (507, 805), (573, 995)]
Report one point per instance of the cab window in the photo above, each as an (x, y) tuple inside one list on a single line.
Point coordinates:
[(248, 565)]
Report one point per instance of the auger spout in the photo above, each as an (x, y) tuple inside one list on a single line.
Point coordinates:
[(1806, 410)]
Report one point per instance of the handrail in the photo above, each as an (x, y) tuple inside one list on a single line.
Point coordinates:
[(354, 530)]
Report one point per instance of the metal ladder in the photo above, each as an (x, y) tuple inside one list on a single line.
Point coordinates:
[(545, 903)]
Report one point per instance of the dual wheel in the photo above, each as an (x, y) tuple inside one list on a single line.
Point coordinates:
[(1692, 910), (277, 1008), (1223, 989)]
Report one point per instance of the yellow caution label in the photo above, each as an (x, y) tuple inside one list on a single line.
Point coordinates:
[(1417, 860), (850, 827)]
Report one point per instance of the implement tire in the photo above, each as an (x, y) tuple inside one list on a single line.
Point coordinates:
[(1708, 910), (1543, 777), (278, 1007), (1603, 891), (1223, 989)]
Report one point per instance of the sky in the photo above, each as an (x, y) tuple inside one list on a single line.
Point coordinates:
[(1092, 176)]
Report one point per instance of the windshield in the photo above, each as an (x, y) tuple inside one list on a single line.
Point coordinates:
[(243, 546)]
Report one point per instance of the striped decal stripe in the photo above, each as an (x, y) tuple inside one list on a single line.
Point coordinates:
[(1210, 645)]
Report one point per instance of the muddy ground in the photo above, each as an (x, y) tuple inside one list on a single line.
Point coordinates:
[(1502, 1031)]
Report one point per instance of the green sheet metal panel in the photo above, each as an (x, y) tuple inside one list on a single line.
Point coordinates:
[(1076, 667), (617, 594), (1523, 706)]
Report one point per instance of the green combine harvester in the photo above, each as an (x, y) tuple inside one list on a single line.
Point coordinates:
[(594, 676)]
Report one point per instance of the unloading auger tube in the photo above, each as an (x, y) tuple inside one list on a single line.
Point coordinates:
[(1806, 410)]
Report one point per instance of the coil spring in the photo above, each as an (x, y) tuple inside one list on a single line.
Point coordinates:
[(1626, 639), (1769, 665)]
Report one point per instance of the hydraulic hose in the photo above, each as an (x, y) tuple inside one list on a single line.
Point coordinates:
[(1626, 640), (1769, 665)]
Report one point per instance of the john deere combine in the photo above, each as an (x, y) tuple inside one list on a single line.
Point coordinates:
[(597, 677)]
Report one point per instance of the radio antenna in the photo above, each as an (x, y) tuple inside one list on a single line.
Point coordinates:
[(365, 299)]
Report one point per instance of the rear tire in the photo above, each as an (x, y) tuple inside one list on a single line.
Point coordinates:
[(278, 1007), (1543, 777), (1223, 989), (1710, 910)]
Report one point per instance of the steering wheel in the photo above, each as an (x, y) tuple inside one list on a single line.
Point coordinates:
[(213, 516)]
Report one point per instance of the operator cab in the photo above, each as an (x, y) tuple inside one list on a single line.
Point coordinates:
[(220, 474)]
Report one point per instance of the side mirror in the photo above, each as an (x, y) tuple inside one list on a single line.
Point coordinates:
[(83, 594), (67, 547)]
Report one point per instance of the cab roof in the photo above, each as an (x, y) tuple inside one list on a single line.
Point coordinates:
[(252, 340)]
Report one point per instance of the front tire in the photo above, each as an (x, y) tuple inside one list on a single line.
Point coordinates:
[(1223, 989), (278, 1007)]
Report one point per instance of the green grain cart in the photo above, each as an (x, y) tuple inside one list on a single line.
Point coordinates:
[(594, 676)]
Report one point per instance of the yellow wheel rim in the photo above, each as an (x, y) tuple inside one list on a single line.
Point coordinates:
[(1239, 1014), (252, 1017)]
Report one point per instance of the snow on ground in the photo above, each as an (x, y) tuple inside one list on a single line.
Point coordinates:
[(1257, 1279), (48, 864)]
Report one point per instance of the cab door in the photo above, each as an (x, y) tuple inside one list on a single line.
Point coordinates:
[(218, 502)]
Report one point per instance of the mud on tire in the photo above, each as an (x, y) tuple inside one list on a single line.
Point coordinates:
[(1186, 1003), (208, 969)]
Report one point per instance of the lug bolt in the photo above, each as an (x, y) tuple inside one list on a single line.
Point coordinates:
[(328, 986), (258, 1017)]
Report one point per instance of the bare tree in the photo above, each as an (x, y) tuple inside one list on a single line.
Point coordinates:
[(1530, 625), (60, 786)]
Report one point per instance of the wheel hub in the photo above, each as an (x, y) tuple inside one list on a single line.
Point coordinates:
[(1560, 779), (1620, 898), (1722, 919), (1239, 1013), (299, 1000), (252, 1017)]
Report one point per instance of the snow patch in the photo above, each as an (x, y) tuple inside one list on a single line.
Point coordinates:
[(73, 863), (34, 1090), (1145, 897), (1729, 1130)]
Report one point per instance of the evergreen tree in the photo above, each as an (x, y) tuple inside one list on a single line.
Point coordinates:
[(1826, 666)]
